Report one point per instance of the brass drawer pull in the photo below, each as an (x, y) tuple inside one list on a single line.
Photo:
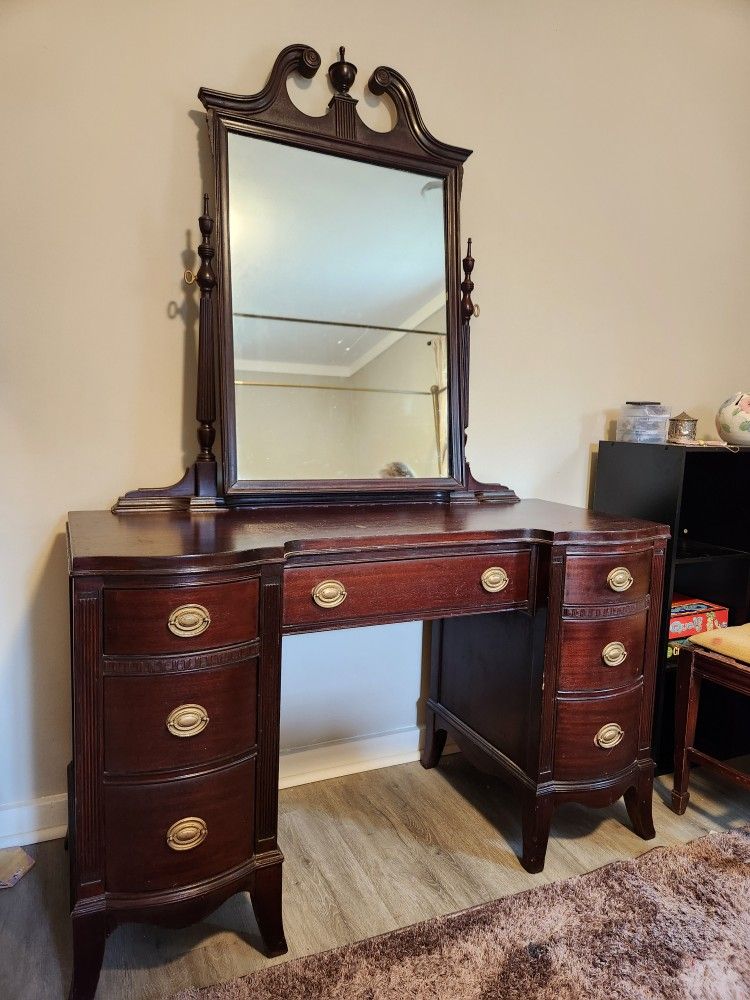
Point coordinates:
[(329, 594), (187, 720), (187, 833), (619, 579), (494, 579), (614, 653), (609, 736), (189, 620)]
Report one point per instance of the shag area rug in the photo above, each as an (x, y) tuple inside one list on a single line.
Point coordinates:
[(673, 924)]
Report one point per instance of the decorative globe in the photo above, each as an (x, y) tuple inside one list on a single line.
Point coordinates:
[(733, 419)]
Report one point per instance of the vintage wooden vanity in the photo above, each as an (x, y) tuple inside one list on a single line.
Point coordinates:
[(342, 498)]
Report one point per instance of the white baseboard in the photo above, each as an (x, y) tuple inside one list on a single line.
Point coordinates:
[(363, 753), (23, 823)]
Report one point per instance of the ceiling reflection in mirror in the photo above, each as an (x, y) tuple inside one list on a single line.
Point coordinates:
[(338, 272)]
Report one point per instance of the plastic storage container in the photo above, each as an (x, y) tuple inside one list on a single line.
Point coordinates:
[(643, 421)]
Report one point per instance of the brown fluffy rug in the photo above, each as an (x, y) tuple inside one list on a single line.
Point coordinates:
[(673, 924)]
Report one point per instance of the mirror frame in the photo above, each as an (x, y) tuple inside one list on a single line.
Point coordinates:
[(271, 115)]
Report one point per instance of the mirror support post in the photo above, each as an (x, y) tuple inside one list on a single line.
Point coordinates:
[(199, 487)]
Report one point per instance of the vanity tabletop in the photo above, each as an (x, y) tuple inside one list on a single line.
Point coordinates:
[(157, 541)]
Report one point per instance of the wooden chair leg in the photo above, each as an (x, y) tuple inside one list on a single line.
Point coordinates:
[(434, 742), (686, 717)]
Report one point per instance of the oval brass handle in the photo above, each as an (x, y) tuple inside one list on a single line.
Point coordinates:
[(329, 594), (187, 720), (614, 653), (619, 579), (187, 833), (609, 735), (189, 620), (494, 579)]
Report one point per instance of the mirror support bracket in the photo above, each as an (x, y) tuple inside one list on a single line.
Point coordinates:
[(199, 487)]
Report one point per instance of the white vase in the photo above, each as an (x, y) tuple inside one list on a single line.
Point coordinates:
[(733, 419)]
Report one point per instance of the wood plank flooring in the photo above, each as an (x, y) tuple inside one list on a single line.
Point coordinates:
[(365, 854)]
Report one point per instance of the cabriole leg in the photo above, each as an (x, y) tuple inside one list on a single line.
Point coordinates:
[(638, 801), (266, 897)]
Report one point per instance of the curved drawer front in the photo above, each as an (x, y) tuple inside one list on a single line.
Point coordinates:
[(208, 820), (315, 595), (602, 654), (161, 721), (597, 736), (180, 619), (620, 578)]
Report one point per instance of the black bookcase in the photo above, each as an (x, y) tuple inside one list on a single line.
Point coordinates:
[(703, 494)]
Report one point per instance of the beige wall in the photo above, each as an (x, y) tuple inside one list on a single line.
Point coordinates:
[(608, 197)]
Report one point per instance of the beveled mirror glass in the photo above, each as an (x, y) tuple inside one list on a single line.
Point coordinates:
[(338, 278)]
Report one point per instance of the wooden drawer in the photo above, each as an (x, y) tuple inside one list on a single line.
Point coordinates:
[(581, 723), (402, 588), (607, 653), (596, 580), (157, 722), (138, 819), (180, 619)]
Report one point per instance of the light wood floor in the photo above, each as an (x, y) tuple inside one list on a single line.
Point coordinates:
[(365, 854)]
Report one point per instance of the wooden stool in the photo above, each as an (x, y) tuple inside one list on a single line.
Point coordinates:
[(704, 661)]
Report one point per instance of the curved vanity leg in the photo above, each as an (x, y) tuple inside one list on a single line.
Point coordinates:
[(434, 742), (537, 818), (638, 803), (266, 898), (89, 936)]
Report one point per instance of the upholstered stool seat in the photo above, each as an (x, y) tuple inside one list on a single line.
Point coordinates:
[(721, 656)]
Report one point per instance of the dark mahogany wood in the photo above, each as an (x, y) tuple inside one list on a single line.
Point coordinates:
[(135, 621), (89, 938), (495, 686), (271, 114), (136, 709), (252, 552), (693, 668), (170, 541), (582, 665), (586, 578), (138, 814), (199, 487), (577, 756), (404, 588), (266, 897), (538, 666)]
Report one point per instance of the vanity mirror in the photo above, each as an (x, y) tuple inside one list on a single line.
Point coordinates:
[(339, 331)]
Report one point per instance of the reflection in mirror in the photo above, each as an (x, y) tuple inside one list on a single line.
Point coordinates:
[(339, 316)]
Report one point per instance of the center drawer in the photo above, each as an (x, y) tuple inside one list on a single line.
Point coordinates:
[(351, 592), (173, 720)]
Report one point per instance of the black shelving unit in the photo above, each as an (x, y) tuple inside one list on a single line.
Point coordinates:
[(703, 494)]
